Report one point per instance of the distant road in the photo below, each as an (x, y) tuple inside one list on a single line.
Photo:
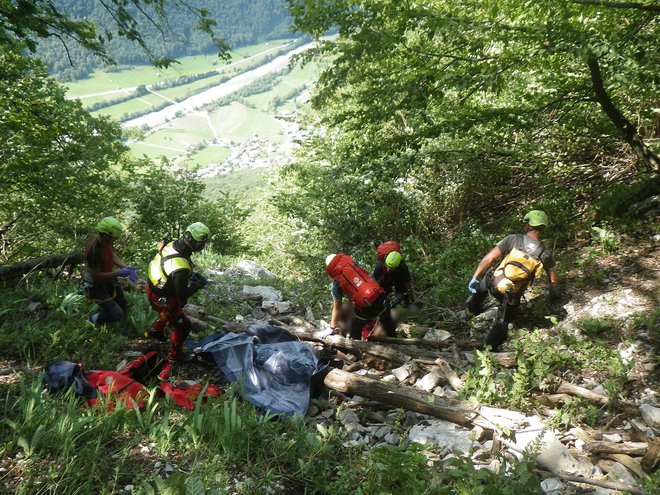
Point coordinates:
[(221, 90), (132, 89)]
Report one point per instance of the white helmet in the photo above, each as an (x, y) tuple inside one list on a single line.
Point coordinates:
[(329, 258)]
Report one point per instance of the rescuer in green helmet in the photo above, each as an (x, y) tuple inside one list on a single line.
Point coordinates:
[(170, 283), (524, 257), (392, 273), (100, 277)]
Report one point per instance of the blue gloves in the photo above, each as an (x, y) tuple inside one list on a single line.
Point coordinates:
[(473, 286), (197, 279), (129, 272)]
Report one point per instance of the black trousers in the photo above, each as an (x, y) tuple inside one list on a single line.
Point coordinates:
[(112, 308), (379, 309)]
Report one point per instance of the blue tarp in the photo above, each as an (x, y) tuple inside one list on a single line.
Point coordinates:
[(275, 371)]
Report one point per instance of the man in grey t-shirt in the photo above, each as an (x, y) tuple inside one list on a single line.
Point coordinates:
[(484, 281)]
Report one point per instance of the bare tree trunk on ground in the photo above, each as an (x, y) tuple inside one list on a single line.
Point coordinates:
[(17, 269)]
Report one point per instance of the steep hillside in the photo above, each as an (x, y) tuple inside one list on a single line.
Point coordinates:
[(239, 23)]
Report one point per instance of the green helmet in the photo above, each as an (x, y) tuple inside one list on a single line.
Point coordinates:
[(110, 226), (393, 260), (198, 231), (536, 218)]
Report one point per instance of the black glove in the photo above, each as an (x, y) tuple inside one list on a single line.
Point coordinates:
[(197, 279)]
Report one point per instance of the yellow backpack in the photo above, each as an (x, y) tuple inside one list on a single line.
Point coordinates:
[(517, 270)]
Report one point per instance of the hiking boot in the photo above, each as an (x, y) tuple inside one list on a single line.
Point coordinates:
[(159, 336)]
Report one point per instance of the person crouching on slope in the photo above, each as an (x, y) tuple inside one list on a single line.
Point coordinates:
[(100, 278), (368, 298), (524, 256), (170, 283), (392, 274)]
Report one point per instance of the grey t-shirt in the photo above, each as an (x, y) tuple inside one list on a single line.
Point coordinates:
[(527, 244)]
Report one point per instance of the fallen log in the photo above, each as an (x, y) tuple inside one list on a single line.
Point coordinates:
[(353, 346), (425, 342), (651, 460), (585, 393), (612, 485), (15, 270), (628, 448), (461, 413), (506, 359), (450, 375)]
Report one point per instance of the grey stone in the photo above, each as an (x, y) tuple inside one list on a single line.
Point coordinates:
[(429, 381), (348, 416), (650, 415), (258, 314), (441, 433), (33, 306), (392, 438), (552, 486), (599, 390), (328, 413), (382, 432), (410, 419), (277, 307), (644, 428), (250, 269), (403, 372), (389, 379), (617, 471), (264, 292), (437, 334), (169, 468), (615, 437)]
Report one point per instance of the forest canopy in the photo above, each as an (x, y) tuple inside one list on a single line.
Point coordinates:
[(439, 114)]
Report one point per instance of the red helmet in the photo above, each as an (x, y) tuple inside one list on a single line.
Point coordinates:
[(386, 248)]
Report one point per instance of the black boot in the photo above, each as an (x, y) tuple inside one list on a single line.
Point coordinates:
[(497, 335)]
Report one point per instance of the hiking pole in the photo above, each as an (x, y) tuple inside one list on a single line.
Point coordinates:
[(502, 313)]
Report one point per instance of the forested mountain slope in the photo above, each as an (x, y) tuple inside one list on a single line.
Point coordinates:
[(239, 23), (437, 123)]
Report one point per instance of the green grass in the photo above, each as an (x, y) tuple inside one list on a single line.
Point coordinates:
[(53, 444), (117, 111), (101, 81), (239, 122), (210, 154)]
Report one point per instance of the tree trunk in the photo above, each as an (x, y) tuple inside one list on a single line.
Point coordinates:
[(627, 128), (456, 412), (628, 448), (17, 269)]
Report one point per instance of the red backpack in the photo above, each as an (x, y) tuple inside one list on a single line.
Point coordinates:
[(386, 248), (356, 283)]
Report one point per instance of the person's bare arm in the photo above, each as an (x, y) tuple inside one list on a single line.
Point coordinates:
[(117, 261), (486, 261), (552, 276), (336, 312)]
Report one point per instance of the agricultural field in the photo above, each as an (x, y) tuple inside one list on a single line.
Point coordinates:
[(234, 124), (211, 154), (113, 81)]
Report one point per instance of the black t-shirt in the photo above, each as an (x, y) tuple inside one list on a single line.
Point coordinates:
[(388, 279), (532, 246)]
